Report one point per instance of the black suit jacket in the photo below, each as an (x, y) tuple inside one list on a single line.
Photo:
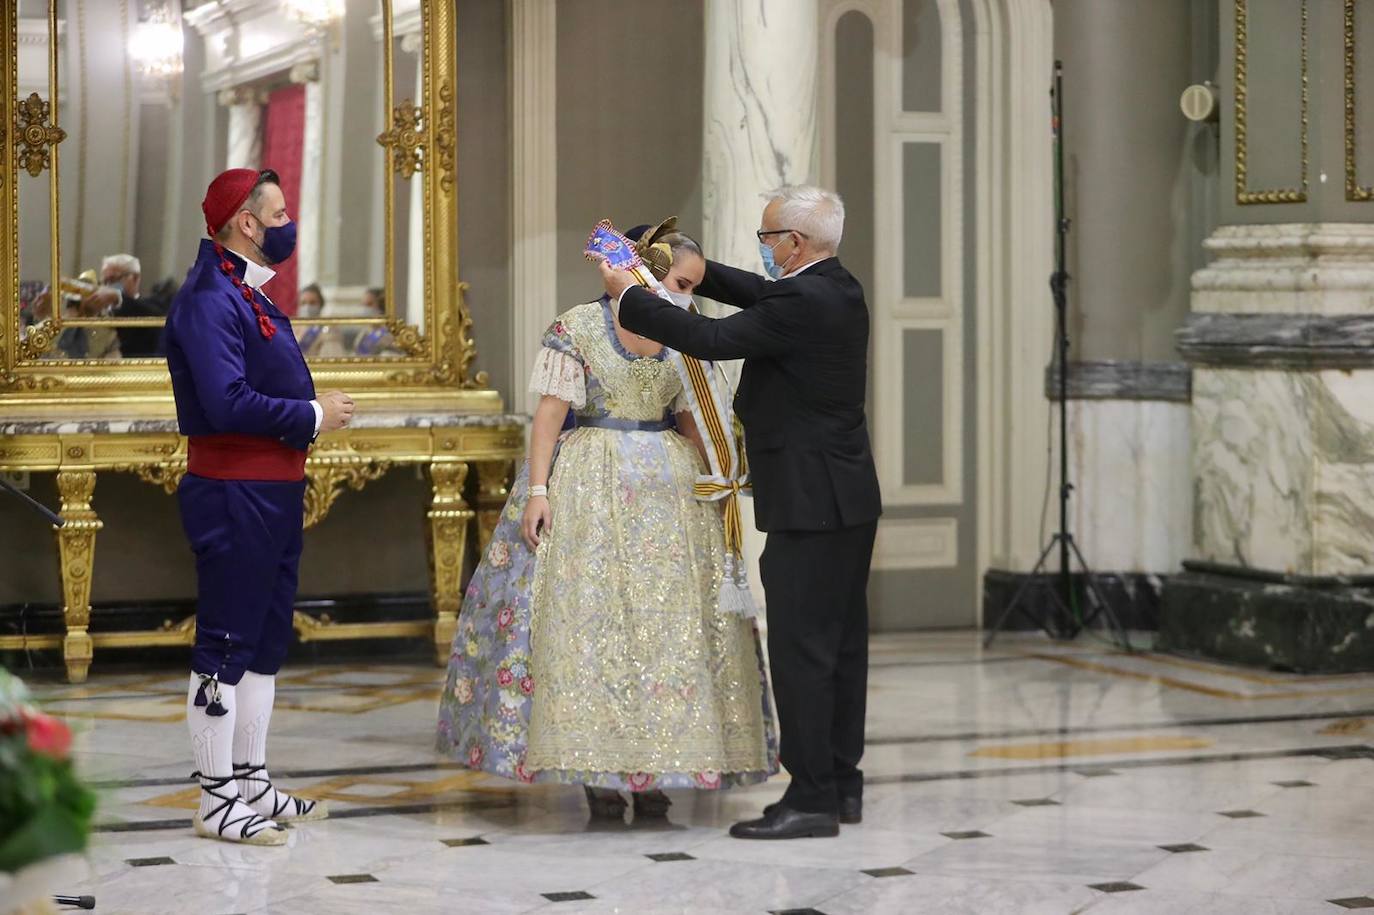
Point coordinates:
[(139, 341), (804, 341)]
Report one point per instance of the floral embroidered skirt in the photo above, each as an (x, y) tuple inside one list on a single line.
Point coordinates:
[(604, 661)]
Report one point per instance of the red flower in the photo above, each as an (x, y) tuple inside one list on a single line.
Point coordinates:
[(505, 617), (527, 685), (46, 735), (525, 775), (504, 676), (475, 756), (641, 781)]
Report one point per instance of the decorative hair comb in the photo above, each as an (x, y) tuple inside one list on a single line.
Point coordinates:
[(655, 253)]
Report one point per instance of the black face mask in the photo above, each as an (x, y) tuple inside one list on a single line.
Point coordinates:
[(278, 242)]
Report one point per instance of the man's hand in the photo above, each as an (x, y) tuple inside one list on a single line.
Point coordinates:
[(338, 410), (98, 303), (617, 281)]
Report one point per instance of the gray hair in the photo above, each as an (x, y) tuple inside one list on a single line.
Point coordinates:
[(124, 263), (813, 211)]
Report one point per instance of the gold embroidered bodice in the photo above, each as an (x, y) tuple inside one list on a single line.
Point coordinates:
[(619, 383)]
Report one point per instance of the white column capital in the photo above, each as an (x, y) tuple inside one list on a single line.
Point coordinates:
[(241, 96), (307, 71)]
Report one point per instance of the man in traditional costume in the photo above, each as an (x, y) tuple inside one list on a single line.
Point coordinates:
[(247, 405)]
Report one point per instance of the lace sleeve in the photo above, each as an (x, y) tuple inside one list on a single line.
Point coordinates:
[(559, 374)]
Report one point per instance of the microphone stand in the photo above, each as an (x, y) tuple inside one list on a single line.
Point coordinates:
[(52, 516), (1062, 620)]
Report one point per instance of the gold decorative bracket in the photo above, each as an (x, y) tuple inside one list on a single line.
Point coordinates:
[(34, 135), (1244, 195), (167, 468), (40, 338), (326, 482), (405, 138), (408, 338)]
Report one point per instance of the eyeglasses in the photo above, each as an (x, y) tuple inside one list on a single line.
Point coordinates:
[(763, 233)]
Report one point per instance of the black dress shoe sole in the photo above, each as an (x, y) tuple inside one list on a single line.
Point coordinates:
[(819, 832)]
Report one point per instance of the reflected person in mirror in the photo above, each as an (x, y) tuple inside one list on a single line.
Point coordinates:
[(314, 339), (81, 299), (246, 403), (378, 340), (119, 296)]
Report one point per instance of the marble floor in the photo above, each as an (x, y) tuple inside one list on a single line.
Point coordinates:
[(1031, 778)]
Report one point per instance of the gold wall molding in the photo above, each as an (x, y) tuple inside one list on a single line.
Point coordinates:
[(1354, 191), (1244, 194)]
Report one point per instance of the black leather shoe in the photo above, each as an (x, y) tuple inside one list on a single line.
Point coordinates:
[(851, 810), (782, 822)]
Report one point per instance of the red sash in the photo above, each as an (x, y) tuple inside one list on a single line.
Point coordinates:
[(244, 457)]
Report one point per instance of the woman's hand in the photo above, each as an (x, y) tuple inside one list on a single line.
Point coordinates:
[(537, 521)]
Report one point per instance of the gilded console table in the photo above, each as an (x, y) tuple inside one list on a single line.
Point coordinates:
[(450, 446)]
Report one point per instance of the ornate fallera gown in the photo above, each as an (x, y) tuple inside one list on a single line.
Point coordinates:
[(604, 660)]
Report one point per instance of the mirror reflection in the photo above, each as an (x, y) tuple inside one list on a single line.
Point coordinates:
[(156, 97)]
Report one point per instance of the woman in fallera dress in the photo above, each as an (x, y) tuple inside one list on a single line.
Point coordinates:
[(591, 648)]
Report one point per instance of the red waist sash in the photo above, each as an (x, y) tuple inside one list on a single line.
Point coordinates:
[(244, 457)]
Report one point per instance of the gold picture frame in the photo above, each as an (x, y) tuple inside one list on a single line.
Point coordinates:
[(436, 363)]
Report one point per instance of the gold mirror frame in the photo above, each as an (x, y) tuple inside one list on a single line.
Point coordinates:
[(420, 142)]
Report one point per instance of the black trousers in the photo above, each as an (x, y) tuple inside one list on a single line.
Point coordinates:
[(816, 585)]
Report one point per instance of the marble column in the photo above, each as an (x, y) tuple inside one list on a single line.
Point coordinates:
[(760, 115), (308, 210), (245, 126), (1281, 340)]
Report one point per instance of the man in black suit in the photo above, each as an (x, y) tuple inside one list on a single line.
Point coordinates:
[(804, 339), (121, 277)]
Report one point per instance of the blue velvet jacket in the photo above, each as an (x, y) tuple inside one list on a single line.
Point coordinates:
[(227, 377)]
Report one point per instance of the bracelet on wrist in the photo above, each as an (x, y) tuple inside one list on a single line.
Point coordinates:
[(539, 491)]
